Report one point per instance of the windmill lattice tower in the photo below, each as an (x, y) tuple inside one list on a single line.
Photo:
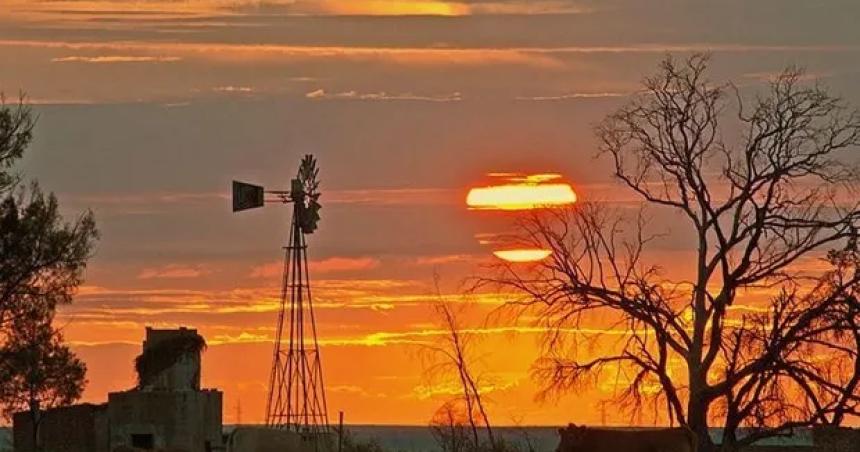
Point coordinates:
[(296, 399)]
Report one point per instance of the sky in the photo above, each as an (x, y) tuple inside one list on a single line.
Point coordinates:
[(148, 109)]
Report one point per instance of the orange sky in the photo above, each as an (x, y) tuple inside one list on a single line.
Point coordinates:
[(147, 111)]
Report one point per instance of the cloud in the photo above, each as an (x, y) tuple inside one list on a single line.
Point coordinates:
[(391, 7), (116, 59), (527, 7), (396, 196), (769, 76), (330, 265), (242, 53), (424, 336), (382, 95), (173, 271), (147, 198), (573, 96), (145, 203), (446, 259), (337, 264), (172, 8), (242, 338), (233, 89)]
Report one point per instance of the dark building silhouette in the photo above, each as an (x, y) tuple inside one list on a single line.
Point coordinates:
[(166, 411)]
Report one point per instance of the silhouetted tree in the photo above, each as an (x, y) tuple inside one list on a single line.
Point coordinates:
[(16, 132), (452, 427), (451, 357), (42, 259), (38, 372), (761, 208)]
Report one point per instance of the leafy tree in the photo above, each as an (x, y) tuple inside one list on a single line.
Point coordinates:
[(16, 132), (42, 259), (760, 210), (37, 371)]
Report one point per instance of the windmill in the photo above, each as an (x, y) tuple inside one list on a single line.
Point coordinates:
[(296, 397)]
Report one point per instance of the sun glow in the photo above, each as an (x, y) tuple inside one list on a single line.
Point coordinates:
[(521, 193), (522, 255)]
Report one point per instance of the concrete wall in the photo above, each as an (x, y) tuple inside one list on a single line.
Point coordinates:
[(76, 428), (181, 419)]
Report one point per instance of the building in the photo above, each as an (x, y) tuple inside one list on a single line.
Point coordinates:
[(166, 411), (65, 429)]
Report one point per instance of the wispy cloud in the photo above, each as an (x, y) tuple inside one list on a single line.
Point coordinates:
[(396, 196), (242, 53), (570, 96), (243, 337), (446, 259), (116, 59), (769, 76), (147, 198), (550, 57), (330, 265), (424, 336), (382, 95), (173, 271), (528, 7), (169, 8), (233, 89)]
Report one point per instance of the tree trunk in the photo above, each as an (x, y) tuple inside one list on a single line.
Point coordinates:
[(34, 421), (697, 419)]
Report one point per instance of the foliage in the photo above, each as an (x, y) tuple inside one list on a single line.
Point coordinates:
[(16, 132), (37, 371), (760, 212), (42, 259), (156, 358)]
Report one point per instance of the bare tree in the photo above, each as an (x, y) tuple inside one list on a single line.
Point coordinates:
[(451, 356), (452, 427), (761, 209)]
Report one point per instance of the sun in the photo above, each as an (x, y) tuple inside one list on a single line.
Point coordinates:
[(523, 255), (516, 192), (521, 193)]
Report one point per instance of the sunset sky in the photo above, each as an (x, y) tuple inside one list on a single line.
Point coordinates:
[(149, 108)]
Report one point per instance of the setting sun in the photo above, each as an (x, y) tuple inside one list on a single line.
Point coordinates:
[(522, 193), (522, 255)]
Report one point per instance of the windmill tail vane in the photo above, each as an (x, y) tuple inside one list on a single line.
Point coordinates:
[(296, 394)]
